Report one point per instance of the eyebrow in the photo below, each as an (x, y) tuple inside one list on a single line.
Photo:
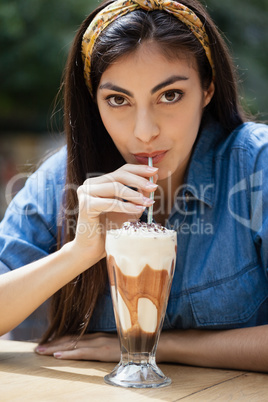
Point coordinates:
[(169, 81), (109, 85)]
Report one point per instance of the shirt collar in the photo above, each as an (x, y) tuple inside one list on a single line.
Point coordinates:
[(200, 176)]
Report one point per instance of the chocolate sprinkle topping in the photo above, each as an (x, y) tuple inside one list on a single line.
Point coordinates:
[(151, 227)]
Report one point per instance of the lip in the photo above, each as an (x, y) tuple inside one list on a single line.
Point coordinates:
[(157, 157)]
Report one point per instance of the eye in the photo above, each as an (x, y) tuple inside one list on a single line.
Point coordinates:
[(116, 100), (171, 96)]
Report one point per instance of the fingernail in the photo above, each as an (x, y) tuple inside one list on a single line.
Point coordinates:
[(151, 185), (40, 349), (57, 355), (148, 201), (139, 207), (151, 169)]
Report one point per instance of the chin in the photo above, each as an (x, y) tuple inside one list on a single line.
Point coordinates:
[(164, 174)]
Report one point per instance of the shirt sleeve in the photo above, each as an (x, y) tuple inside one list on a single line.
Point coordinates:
[(3, 268), (257, 173), (28, 230)]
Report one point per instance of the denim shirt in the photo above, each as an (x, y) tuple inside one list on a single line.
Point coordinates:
[(221, 218)]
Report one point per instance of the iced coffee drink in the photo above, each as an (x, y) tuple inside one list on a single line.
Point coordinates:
[(141, 262)]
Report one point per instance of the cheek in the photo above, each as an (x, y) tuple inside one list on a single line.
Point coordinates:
[(114, 126), (104, 118), (193, 113), (117, 135), (188, 124), (184, 127)]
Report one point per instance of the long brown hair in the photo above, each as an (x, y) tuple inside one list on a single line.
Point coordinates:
[(89, 146)]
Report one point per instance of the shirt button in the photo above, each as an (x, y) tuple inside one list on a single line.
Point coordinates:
[(187, 196)]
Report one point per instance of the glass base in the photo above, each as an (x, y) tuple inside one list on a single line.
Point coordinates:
[(137, 375)]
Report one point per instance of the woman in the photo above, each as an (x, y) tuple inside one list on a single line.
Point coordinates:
[(154, 80)]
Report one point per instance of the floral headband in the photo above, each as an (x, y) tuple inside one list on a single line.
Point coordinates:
[(122, 7)]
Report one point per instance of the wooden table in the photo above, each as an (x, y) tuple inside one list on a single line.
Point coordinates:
[(25, 376)]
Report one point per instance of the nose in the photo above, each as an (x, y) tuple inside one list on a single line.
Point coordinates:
[(146, 127)]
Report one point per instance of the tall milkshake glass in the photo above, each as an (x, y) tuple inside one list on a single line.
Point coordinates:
[(140, 260)]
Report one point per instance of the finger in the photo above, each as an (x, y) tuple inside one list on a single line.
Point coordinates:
[(117, 190), (95, 346), (141, 170), (94, 206), (106, 354), (76, 354), (131, 175), (50, 348), (134, 181), (128, 179)]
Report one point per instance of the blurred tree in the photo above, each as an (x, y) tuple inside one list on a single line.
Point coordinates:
[(244, 27), (36, 34), (34, 41)]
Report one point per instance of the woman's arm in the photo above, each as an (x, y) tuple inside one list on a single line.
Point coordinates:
[(240, 349), (23, 290), (102, 201)]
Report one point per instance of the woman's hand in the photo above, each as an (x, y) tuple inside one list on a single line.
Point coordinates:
[(96, 346), (106, 202)]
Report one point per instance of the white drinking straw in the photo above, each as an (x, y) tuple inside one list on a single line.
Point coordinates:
[(150, 211)]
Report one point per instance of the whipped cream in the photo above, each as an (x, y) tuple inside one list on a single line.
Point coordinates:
[(141, 244)]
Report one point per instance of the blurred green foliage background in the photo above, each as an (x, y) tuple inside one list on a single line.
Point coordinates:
[(35, 37)]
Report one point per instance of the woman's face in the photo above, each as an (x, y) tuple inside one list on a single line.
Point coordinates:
[(152, 106)]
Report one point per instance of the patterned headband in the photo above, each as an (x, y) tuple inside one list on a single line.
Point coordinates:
[(122, 7)]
